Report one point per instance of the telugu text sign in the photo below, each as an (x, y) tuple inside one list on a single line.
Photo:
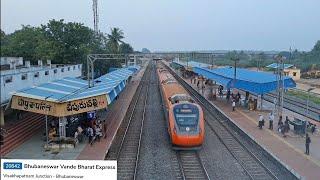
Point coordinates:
[(59, 109), (33, 105)]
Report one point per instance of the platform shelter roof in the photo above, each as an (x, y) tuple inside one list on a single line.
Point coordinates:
[(190, 64), (275, 66), (70, 90), (247, 80)]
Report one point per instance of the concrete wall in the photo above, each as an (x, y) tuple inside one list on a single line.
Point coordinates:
[(11, 80)]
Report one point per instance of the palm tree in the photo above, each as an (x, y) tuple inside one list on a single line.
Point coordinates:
[(114, 38)]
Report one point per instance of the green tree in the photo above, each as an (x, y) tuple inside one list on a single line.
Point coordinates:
[(125, 48), (114, 39), (22, 43), (316, 48), (69, 42)]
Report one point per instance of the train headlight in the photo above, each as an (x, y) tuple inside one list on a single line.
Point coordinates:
[(187, 129)]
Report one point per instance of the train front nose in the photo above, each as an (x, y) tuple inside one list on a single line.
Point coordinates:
[(187, 131), (188, 140)]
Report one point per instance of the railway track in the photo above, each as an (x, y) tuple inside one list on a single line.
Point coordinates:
[(297, 106), (251, 164), (129, 150), (191, 166)]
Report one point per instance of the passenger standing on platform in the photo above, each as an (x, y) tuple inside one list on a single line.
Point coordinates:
[(233, 105), (286, 124), (308, 141), (239, 98), (228, 95), (90, 134), (203, 87), (271, 118), (280, 123), (198, 83), (261, 121)]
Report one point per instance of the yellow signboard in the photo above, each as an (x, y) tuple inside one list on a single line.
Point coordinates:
[(83, 105), (59, 109), (33, 105)]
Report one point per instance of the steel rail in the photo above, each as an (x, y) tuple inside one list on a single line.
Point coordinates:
[(133, 123), (191, 165), (295, 103), (141, 131)]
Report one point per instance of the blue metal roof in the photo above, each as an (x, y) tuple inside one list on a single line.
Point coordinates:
[(68, 89), (252, 81), (275, 66), (191, 64)]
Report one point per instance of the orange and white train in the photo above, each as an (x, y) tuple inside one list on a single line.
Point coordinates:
[(184, 116)]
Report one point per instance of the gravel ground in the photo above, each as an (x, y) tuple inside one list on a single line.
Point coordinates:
[(218, 161), (155, 152)]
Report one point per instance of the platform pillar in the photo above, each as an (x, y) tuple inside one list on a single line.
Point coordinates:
[(1, 116), (259, 103), (62, 126)]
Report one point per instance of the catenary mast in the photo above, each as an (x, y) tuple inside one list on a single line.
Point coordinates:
[(95, 15)]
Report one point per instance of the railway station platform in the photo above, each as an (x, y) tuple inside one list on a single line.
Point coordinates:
[(113, 119), (289, 150), (33, 148)]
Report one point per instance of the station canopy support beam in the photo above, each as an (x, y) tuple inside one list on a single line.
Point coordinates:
[(91, 58)]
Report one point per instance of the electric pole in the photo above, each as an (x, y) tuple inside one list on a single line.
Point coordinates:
[(95, 15), (235, 59), (280, 84)]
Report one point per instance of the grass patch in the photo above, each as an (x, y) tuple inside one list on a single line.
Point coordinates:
[(304, 96)]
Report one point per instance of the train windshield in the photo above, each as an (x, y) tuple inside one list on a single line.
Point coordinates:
[(186, 114), (187, 119)]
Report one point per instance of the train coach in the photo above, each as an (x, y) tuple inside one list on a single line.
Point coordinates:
[(184, 116)]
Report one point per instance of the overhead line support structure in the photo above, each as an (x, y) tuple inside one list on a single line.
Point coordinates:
[(91, 58)]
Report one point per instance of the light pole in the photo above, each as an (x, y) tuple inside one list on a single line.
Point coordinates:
[(212, 60), (280, 83), (310, 89), (235, 59)]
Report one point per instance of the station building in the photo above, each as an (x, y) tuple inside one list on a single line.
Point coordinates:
[(17, 74), (289, 70)]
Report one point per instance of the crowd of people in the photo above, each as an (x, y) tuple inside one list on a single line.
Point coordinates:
[(94, 132), (91, 129), (283, 127)]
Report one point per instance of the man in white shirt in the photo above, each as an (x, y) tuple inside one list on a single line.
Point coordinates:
[(233, 105), (261, 121), (271, 118)]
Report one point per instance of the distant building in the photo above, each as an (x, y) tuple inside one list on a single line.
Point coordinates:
[(11, 62), (289, 70), (16, 76), (312, 74)]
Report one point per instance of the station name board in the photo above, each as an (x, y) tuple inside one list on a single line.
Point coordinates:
[(59, 109)]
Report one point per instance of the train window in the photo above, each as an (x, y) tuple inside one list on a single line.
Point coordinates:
[(36, 75), (187, 119), (8, 79), (24, 76)]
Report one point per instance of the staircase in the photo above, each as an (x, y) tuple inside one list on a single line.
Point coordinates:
[(22, 131)]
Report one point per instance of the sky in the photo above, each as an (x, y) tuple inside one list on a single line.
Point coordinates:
[(183, 25)]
